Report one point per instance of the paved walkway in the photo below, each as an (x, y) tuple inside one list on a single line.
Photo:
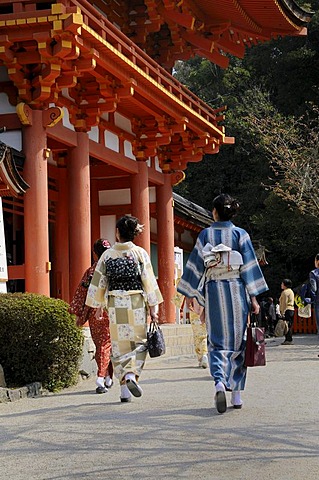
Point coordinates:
[(173, 431)]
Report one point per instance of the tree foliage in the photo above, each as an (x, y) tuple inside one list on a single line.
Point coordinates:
[(272, 111), (292, 146)]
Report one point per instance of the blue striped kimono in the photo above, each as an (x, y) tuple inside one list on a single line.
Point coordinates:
[(226, 302)]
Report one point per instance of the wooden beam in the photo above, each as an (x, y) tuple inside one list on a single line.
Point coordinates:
[(106, 171), (119, 210), (62, 134), (113, 183), (16, 272), (10, 120), (112, 158)]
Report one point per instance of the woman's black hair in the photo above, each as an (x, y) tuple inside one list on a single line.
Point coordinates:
[(128, 228), (226, 206), (287, 282), (100, 246), (317, 257)]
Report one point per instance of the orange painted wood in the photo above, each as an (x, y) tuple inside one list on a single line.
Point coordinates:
[(36, 233), (10, 121), (95, 212), (61, 263), (65, 135), (16, 272), (112, 158), (79, 210), (165, 249), (304, 325), (141, 204)]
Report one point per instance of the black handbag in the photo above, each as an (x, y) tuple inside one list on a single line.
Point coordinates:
[(155, 340), (255, 355)]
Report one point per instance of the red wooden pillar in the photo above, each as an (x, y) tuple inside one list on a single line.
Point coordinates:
[(141, 203), (95, 214), (79, 210), (36, 233), (61, 267), (165, 248)]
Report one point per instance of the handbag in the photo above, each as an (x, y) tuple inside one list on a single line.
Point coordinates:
[(281, 328), (155, 340), (255, 355)]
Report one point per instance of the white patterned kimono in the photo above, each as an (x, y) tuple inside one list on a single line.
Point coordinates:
[(226, 298), (127, 309)]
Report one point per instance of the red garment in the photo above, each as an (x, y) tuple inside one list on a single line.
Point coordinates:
[(99, 328)]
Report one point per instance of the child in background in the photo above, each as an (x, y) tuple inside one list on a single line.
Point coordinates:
[(197, 321)]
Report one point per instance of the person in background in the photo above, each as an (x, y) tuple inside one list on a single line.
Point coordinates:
[(124, 284), (224, 276), (270, 312), (287, 308), (99, 327), (314, 285), (197, 321)]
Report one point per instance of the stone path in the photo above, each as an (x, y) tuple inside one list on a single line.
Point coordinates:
[(173, 431)]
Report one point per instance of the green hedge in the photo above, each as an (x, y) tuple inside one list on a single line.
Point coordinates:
[(39, 341)]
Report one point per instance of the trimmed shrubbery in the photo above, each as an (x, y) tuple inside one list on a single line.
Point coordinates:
[(39, 341)]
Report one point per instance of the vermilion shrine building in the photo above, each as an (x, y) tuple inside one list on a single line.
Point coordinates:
[(86, 95)]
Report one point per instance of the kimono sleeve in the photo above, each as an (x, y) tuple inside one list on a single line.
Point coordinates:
[(78, 301), (190, 284), (250, 271), (150, 286), (96, 296)]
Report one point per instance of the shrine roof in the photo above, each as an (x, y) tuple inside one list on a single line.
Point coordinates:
[(191, 213), (170, 30), (11, 182), (98, 59)]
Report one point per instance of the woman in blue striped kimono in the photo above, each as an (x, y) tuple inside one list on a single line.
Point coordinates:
[(224, 276)]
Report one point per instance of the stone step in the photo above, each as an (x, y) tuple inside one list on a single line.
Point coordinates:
[(178, 340)]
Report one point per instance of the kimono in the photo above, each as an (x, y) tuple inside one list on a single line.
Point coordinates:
[(127, 303), (198, 326), (99, 328), (225, 294)]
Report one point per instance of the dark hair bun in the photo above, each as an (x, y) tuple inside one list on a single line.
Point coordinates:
[(226, 206), (129, 227)]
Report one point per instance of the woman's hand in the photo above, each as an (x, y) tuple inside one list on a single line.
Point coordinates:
[(99, 313), (190, 304), (153, 314), (255, 307)]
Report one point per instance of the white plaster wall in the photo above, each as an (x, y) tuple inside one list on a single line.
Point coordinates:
[(156, 164), (122, 122), (105, 116), (152, 194), (107, 227), (111, 141), (153, 225), (94, 134), (128, 150), (12, 139), (5, 106), (66, 120), (115, 197)]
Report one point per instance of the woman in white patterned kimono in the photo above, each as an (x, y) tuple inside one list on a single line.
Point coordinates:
[(223, 274), (124, 284)]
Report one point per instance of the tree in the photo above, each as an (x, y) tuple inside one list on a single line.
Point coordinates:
[(292, 146), (278, 80)]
